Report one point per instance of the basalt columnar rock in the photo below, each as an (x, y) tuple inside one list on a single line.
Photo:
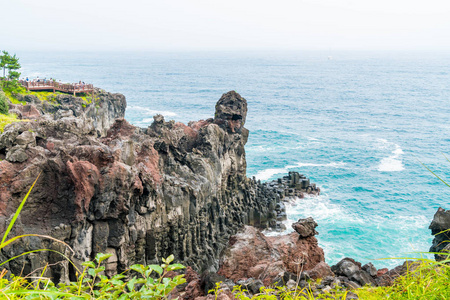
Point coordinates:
[(138, 193)]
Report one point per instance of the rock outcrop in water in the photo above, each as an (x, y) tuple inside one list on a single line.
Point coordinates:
[(440, 229), (139, 194)]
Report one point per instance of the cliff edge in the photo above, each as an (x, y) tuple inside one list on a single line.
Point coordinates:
[(138, 193)]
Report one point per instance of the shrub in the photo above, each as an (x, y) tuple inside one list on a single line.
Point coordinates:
[(151, 283), (3, 103)]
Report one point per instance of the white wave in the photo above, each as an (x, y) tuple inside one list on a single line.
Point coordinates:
[(319, 208), (398, 150), (268, 173), (383, 142), (165, 113), (331, 164), (259, 149), (412, 222), (392, 163)]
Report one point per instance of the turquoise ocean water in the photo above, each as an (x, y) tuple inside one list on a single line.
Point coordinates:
[(356, 124)]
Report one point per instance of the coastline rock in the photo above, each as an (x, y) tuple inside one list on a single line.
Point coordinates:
[(352, 269), (370, 269), (138, 193), (305, 227), (346, 267), (321, 270), (387, 278), (440, 230), (250, 254)]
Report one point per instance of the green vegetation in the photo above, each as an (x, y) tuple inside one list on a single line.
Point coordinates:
[(44, 96), (148, 282), (3, 103), (7, 119), (430, 280), (88, 98), (12, 89), (10, 63)]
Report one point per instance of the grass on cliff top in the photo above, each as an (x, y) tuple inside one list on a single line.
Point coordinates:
[(7, 119), (12, 90)]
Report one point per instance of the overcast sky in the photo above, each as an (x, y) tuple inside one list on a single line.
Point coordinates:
[(182, 25)]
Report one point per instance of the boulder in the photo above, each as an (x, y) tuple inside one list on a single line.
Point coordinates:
[(363, 278), (305, 227), (370, 269), (440, 230), (26, 138), (210, 280), (16, 154), (321, 270), (346, 267), (193, 289), (250, 254), (387, 278)]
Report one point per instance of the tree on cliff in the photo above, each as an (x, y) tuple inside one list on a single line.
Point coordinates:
[(10, 63)]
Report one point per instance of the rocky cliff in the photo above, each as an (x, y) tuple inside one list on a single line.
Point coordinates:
[(138, 193)]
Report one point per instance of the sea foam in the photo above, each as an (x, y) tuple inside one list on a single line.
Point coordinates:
[(269, 173), (165, 113), (392, 163)]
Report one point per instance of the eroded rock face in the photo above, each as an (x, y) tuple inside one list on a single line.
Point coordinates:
[(103, 110), (250, 254), (231, 112), (139, 194)]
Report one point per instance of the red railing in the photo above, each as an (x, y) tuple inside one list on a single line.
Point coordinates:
[(57, 86)]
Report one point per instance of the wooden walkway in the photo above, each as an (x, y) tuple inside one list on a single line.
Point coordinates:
[(56, 86)]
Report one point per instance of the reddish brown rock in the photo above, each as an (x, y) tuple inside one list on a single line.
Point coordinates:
[(381, 272), (247, 249), (85, 176), (250, 254), (193, 289), (321, 270), (28, 111), (298, 254), (305, 227)]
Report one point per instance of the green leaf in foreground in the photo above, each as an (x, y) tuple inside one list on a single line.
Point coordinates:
[(102, 256), (16, 215)]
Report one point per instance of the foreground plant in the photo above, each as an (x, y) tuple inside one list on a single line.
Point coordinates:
[(150, 282), (429, 280), (141, 282)]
